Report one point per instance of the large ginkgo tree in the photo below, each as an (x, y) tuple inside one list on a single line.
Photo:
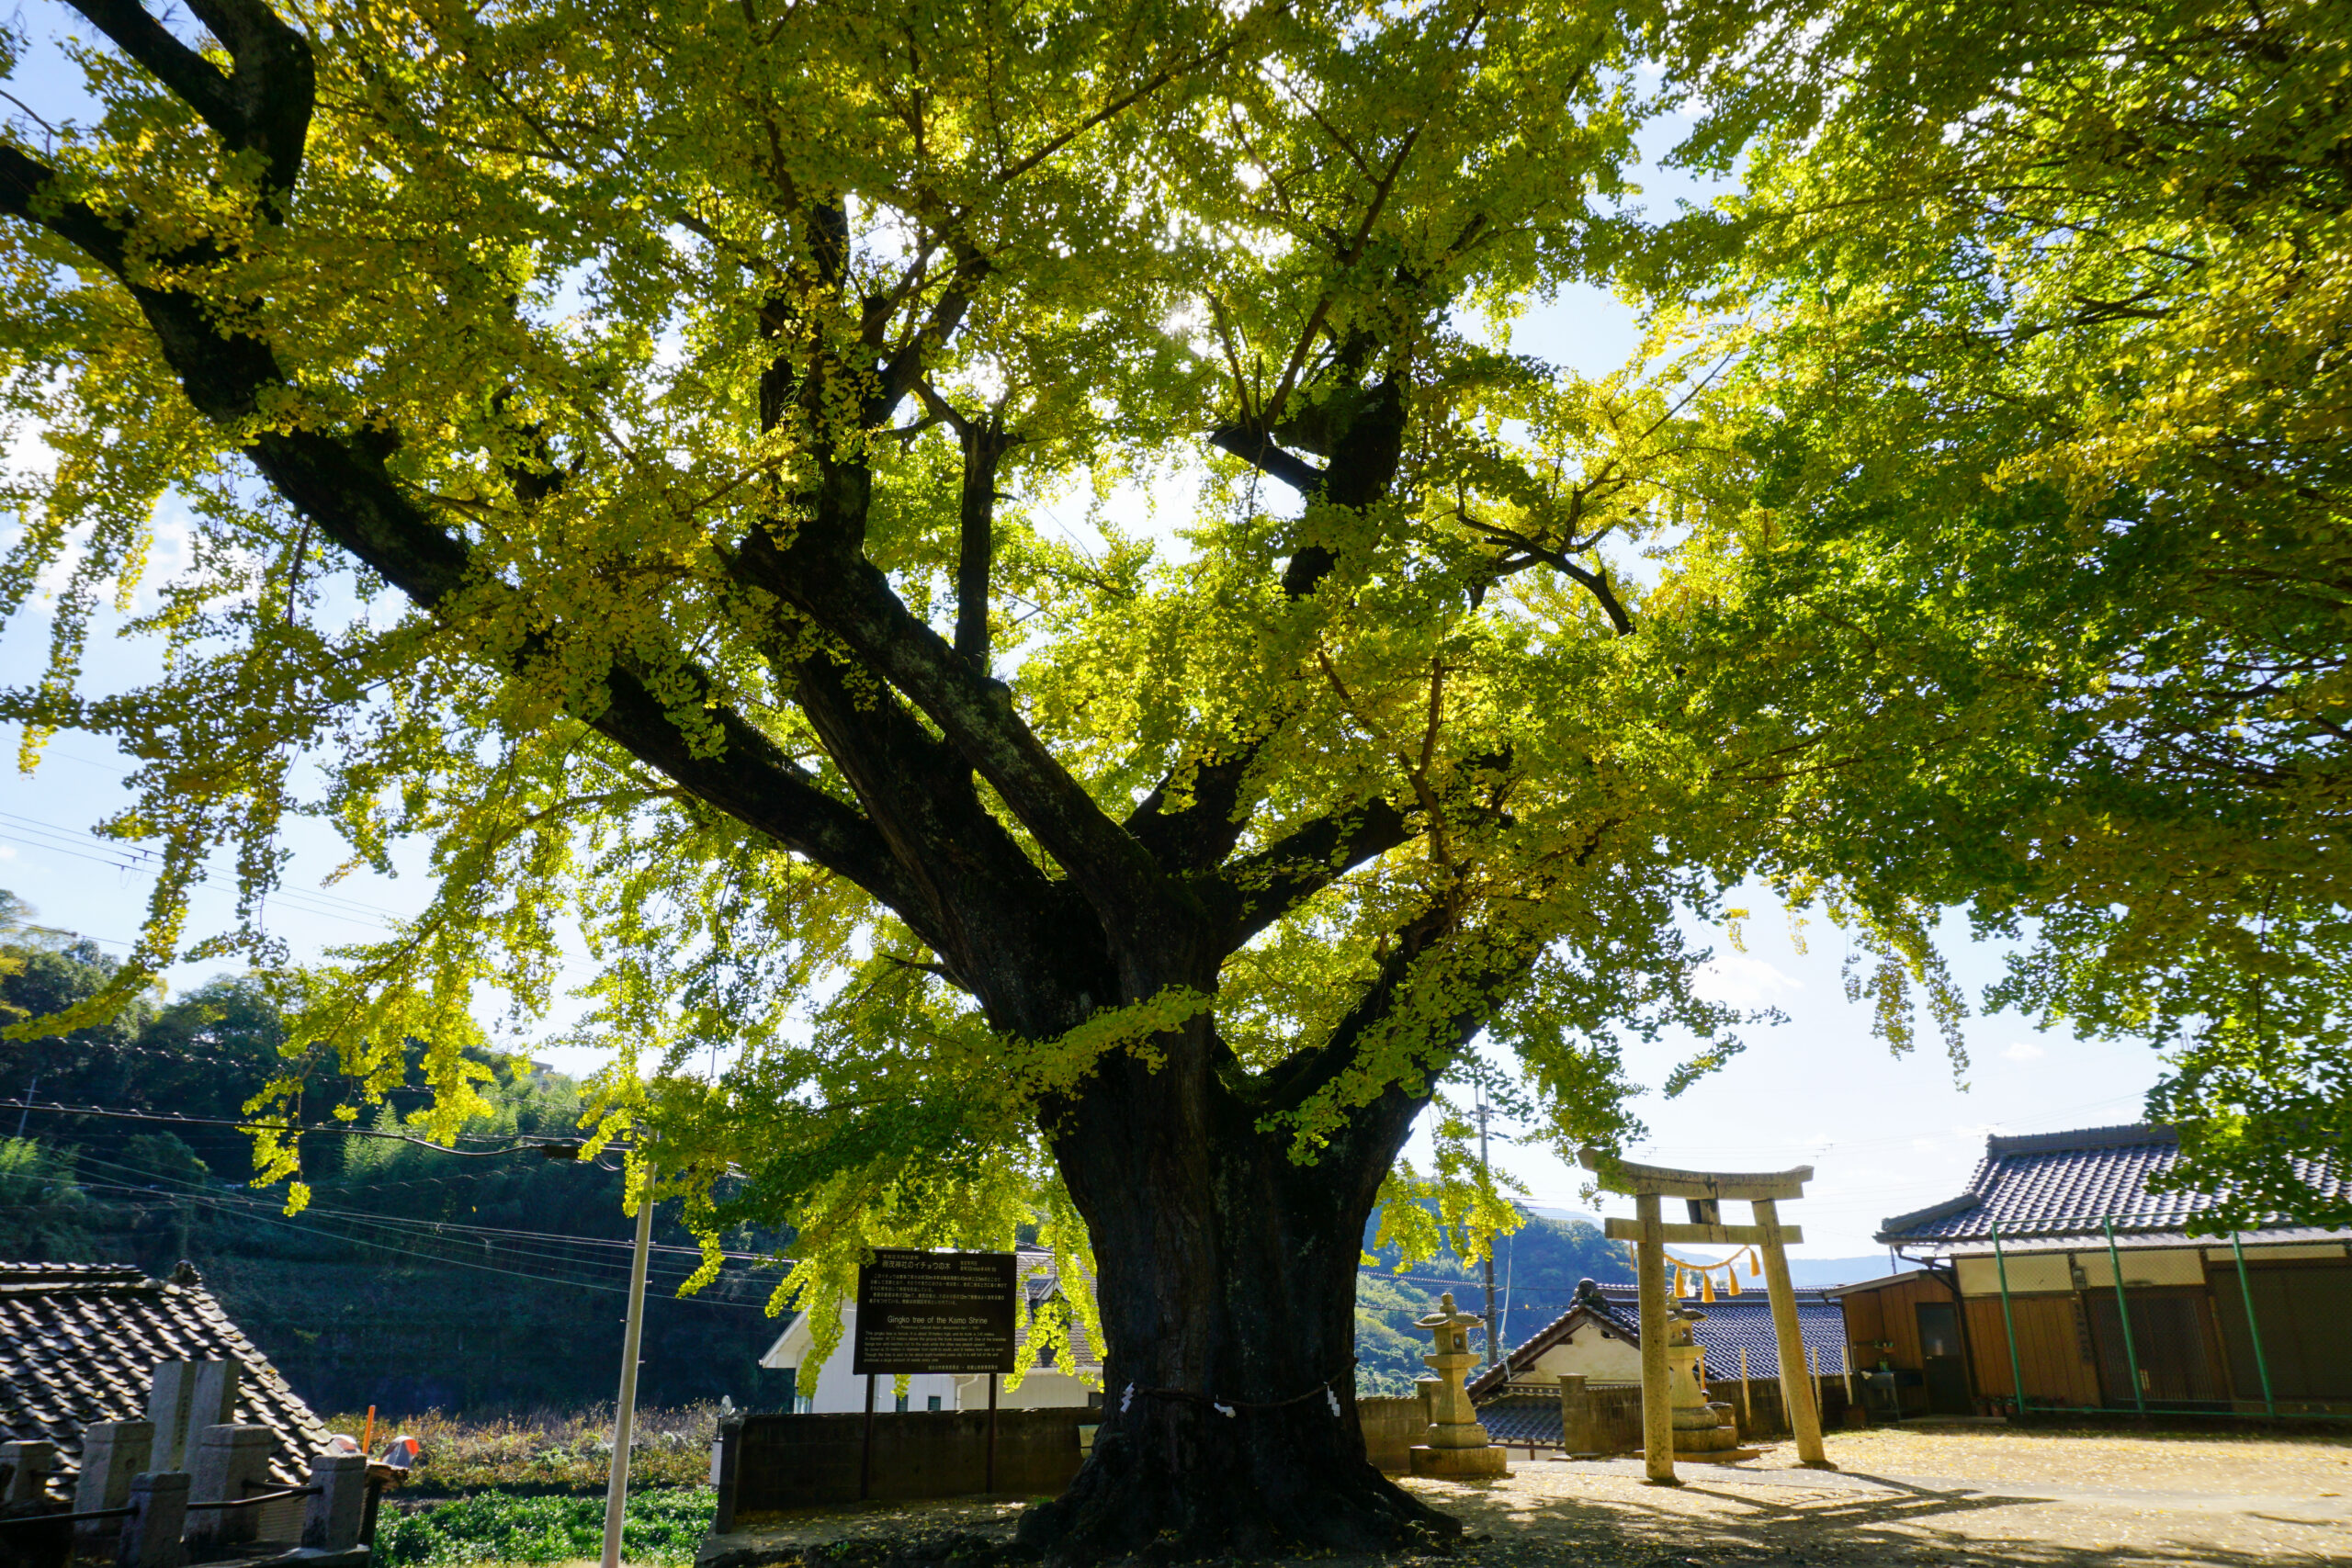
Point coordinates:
[(638, 453)]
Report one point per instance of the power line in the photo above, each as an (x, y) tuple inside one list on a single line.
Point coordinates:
[(243, 1208), (554, 1147), (59, 838), (614, 1243)]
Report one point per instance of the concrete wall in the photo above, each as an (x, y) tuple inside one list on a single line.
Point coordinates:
[(1390, 1427), (800, 1462)]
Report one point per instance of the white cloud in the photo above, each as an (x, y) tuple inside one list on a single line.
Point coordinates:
[(1736, 979), (2025, 1050), (7, 852)]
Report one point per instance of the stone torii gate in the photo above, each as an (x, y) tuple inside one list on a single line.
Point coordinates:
[(1704, 1192)]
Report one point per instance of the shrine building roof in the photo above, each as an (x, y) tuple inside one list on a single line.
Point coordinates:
[(1731, 1325), (2048, 1187)]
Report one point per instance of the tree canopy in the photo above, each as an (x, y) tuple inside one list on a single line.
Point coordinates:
[(2041, 314), (625, 450), (659, 414)]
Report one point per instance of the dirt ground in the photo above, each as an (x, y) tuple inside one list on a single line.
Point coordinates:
[(1951, 1495), (1962, 1495)]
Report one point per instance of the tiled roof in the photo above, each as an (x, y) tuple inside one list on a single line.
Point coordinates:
[(1522, 1418), (80, 1342), (1040, 1284), (2066, 1184), (1732, 1324)]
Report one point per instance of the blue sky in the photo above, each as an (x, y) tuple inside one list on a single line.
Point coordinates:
[(1884, 1134)]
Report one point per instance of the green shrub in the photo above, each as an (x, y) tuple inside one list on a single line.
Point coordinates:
[(495, 1527), (547, 1449)]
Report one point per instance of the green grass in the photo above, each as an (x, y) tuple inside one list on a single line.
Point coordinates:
[(492, 1527)]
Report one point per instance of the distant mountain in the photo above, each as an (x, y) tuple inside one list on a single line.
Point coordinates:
[(1536, 1271), (1810, 1273)]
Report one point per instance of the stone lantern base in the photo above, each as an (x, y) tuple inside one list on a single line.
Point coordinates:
[(1457, 1464), (1705, 1429)]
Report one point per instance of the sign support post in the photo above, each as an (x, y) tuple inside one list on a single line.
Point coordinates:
[(625, 1408), (920, 1312), (865, 1450)]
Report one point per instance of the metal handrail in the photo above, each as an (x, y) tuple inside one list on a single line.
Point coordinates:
[(67, 1518), (257, 1499), (123, 1513)]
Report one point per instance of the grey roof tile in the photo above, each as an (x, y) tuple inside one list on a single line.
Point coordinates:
[(2050, 1185), (1732, 1324), (1522, 1418)]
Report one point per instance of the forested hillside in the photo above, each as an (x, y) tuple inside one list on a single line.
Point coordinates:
[(417, 1277), (1536, 1271)]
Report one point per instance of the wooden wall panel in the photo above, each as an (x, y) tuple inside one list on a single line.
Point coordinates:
[(2051, 1349)]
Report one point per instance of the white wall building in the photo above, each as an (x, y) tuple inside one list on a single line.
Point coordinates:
[(841, 1391)]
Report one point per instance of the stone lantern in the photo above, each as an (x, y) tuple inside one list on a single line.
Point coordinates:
[(1700, 1426), (1457, 1449)]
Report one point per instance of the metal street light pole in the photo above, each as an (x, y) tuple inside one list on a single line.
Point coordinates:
[(624, 1411), (1493, 1354)]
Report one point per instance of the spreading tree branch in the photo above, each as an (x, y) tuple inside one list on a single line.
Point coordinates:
[(340, 485)]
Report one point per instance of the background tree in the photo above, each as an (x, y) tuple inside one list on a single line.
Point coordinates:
[(2043, 313), (617, 440)]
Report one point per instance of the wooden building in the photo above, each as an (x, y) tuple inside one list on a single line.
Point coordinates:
[(2017, 1282)]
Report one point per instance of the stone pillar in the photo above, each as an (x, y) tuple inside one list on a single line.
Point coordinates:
[(185, 1398), (1577, 1435), (726, 1464), (331, 1521), (1657, 1412), (151, 1537), (112, 1452), (1425, 1389), (168, 1399), (1796, 1389), (30, 1463), (214, 1400), (231, 1462)]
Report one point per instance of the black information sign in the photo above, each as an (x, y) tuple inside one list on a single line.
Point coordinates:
[(934, 1312)]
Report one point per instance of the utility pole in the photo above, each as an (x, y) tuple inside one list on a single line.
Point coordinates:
[(624, 1412), (1493, 1354)]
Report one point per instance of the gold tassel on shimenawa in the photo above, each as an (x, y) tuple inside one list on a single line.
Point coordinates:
[(1755, 1264), (1706, 1286), (1731, 1279)]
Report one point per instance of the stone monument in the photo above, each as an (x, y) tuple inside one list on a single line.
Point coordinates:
[(1457, 1449)]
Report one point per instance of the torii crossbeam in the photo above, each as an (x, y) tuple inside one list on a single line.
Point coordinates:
[(1704, 1192)]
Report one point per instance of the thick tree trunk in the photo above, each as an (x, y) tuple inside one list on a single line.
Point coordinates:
[(1227, 1275)]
